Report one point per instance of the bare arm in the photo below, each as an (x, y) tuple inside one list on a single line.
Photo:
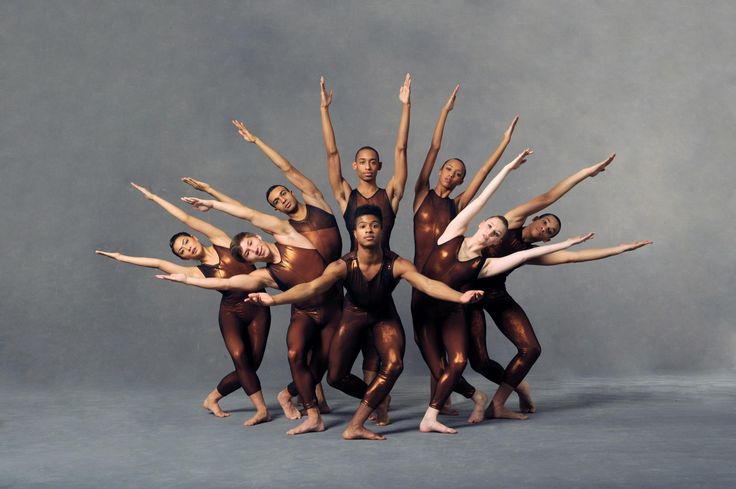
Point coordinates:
[(463, 199), (270, 224), (142, 261), (518, 215), (494, 266), (562, 257), (460, 223), (433, 288), (214, 234), (247, 282), (340, 187), (335, 271), (421, 188), (209, 189), (397, 183)]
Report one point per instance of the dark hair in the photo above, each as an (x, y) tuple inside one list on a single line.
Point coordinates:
[(270, 189), (235, 250), (465, 169), (367, 147), (368, 210), (559, 222), (174, 238), (503, 220)]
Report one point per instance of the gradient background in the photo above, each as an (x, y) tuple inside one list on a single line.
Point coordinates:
[(96, 94)]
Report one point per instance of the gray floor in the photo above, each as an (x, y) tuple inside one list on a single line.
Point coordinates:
[(650, 432)]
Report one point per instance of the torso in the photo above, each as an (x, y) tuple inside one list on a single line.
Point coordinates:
[(511, 243), (226, 268), (320, 228), (380, 199), (443, 265), (430, 221), (372, 295), (297, 266)]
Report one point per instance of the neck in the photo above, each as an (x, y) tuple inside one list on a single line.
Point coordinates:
[(442, 191), (209, 256), (370, 255), (300, 213), (472, 245), (525, 235), (275, 255), (367, 188)]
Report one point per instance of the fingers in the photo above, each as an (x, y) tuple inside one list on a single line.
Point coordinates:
[(512, 126)]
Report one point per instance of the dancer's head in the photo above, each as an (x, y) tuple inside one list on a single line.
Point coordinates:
[(368, 226), (367, 163), (452, 173), (249, 248), (490, 231), (186, 246), (282, 199), (542, 228)]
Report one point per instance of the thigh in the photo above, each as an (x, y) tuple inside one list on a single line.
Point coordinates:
[(475, 319), (301, 333), (346, 341), (257, 330), (389, 339), (455, 335), (513, 322)]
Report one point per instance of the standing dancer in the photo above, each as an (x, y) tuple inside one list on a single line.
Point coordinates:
[(244, 327), (369, 275), (457, 261), (367, 164), (291, 260), (434, 209)]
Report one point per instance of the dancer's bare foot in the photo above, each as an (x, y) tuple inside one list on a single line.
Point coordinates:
[(448, 410), (290, 411), (211, 405), (526, 404), (502, 412), (432, 425), (480, 399), (258, 418), (360, 433), (310, 425), (381, 412)]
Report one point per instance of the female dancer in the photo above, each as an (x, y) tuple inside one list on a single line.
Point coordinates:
[(369, 275), (367, 164), (291, 260), (434, 209), (243, 326), (457, 261)]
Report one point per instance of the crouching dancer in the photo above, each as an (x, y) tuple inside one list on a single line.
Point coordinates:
[(369, 275)]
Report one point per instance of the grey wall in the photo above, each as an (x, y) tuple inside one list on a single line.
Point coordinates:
[(96, 94)]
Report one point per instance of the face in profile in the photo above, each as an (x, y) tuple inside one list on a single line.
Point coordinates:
[(452, 174), (491, 231), (368, 231), (187, 247), (254, 249), (283, 200), (366, 164), (543, 228)]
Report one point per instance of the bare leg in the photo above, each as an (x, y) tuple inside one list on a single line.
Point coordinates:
[(290, 411), (498, 408), (262, 415), (324, 408), (356, 429), (380, 414), (526, 404), (480, 399), (430, 424), (368, 376), (312, 424), (211, 404)]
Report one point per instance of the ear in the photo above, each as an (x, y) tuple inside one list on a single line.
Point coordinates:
[(355, 165), (380, 165), (535, 218)]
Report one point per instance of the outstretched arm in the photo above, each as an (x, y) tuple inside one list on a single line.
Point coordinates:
[(270, 224), (214, 234), (562, 257), (335, 271), (340, 187), (518, 215), (421, 188), (406, 270), (311, 193), (460, 223), (397, 183), (209, 189), (463, 199), (248, 282), (494, 266), (142, 261)]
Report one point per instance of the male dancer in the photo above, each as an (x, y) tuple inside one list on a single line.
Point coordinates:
[(369, 275)]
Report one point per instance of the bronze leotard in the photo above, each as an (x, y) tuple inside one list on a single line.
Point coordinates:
[(320, 228), (510, 318), (379, 199), (244, 326), (368, 304), (430, 221)]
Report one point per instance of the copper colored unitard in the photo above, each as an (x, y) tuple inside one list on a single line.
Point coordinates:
[(244, 326), (368, 305), (510, 318), (443, 323), (313, 321)]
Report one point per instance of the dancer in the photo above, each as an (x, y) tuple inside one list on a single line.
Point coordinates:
[(509, 317), (369, 275), (291, 260), (434, 209), (244, 327), (367, 164), (457, 261)]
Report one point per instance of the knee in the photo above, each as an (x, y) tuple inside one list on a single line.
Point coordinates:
[(393, 368), (296, 356), (477, 361), (530, 353), (238, 355), (334, 378), (457, 365)]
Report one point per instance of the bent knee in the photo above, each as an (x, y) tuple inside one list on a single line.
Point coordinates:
[(296, 357), (394, 369), (530, 353)]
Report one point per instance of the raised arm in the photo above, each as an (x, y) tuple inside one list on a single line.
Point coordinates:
[(247, 282), (494, 266), (406, 270), (335, 271), (340, 187), (460, 223), (214, 234), (309, 190), (397, 183), (142, 261), (209, 189), (271, 224), (421, 188), (463, 199), (562, 257), (518, 215)]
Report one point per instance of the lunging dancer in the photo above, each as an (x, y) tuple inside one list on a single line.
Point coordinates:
[(244, 327), (369, 275)]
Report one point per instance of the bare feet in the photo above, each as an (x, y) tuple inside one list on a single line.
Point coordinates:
[(310, 425), (360, 433), (478, 414), (380, 414), (502, 412), (258, 418), (324, 408), (526, 404), (432, 425), (448, 410), (290, 411), (211, 405)]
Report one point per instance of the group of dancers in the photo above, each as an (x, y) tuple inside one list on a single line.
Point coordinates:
[(455, 278)]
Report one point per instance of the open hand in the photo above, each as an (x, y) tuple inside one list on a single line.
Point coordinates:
[(451, 101), (580, 239), (471, 296), (199, 204), (196, 184), (260, 298), (599, 167), (146, 193), (243, 131), (510, 130), (174, 277), (636, 245), (113, 255), (521, 159), (405, 91), (324, 95)]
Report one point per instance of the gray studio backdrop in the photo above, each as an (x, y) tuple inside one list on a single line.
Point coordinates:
[(97, 94)]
